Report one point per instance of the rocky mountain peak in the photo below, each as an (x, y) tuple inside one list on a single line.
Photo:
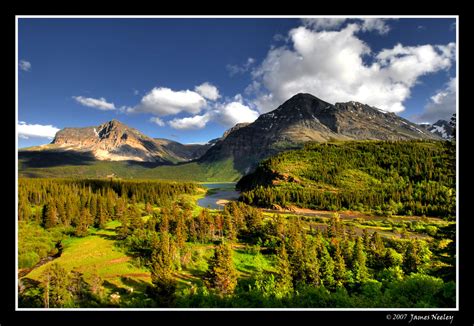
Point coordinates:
[(304, 118), (442, 128), (115, 141)]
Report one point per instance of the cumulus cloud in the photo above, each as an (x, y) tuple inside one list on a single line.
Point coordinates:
[(330, 65), (231, 113), (375, 25), (100, 103), (157, 121), (208, 91), (25, 65), (240, 69), (441, 106), (319, 24), (164, 101), (196, 122), (227, 113), (26, 131)]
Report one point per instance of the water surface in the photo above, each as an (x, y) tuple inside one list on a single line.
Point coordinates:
[(218, 191)]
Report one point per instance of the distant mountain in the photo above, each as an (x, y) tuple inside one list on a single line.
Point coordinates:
[(304, 118), (115, 141), (441, 128)]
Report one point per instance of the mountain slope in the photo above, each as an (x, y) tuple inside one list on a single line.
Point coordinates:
[(305, 118), (385, 176), (114, 141)]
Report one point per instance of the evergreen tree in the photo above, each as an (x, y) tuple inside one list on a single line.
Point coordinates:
[(412, 260), (55, 280), (229, 228), (50, 215), (222, 275), (339, 266), (327, 267), (81, 229), (181, 232), (361, 273), (164, 285), (285, 279)]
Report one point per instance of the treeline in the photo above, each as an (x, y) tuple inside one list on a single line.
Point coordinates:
[(63, 201), (405, 178)]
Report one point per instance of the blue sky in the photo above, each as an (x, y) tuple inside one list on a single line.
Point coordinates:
[(191, 79)]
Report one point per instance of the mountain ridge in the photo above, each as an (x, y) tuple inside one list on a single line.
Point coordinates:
[(301, 119), (305, 118)]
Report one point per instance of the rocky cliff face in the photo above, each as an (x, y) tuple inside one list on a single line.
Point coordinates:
[(305, 118), (114, 141)]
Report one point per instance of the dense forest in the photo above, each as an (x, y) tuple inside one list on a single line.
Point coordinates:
[(236, 257), (386, 178)]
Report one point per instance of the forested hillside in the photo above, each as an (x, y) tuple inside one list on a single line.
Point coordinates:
[(405, 178)]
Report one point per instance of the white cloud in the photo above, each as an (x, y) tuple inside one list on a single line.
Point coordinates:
[(226, 113), (208, 91), (318, 24), (25, 65), (442, 105), (229, 114), (330, 65), (100, 104), (164, 101), (196, 122), (236, 69), (375, 24), (35, 130), (157, 121), (328, 24)]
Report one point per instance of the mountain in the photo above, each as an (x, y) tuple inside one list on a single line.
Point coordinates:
[(305, 118), (442, 128), (114, 141)]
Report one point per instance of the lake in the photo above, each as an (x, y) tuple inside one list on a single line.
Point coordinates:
[(218, 192)]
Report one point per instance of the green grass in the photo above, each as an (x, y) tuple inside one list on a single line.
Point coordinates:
[(248, 263), (97, 253)]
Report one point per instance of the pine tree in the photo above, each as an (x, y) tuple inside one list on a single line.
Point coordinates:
[(181, 232), (229, 228), (376, 251), (55, 280), (50, 215), (81, 229), (164, 285), (285, 279), (327, 267), (136, 221), (412, 260), (361, 273), (222, 275), (340, 275)]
